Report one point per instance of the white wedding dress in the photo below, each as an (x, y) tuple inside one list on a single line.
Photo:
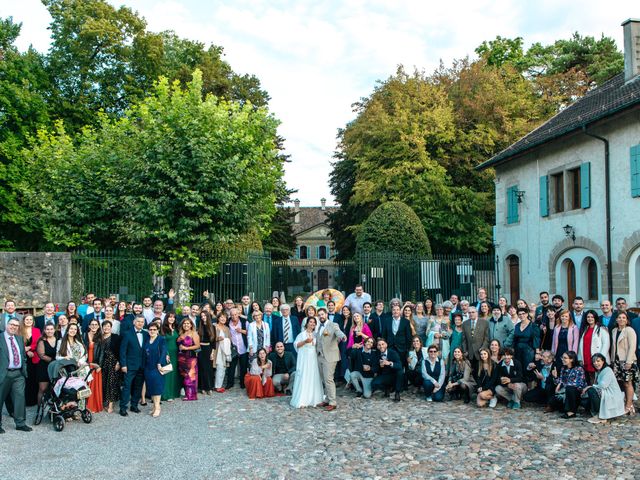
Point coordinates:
[(307, 388)]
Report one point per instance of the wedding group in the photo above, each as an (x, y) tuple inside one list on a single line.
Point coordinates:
[(568, 360)]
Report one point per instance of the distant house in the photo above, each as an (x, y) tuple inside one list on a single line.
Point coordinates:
[(568, 196)]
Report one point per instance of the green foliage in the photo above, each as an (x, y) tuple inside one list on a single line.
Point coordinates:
[(393, 227), (184, 173)]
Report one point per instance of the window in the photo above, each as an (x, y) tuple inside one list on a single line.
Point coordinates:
[(322, 252), (557, 192), (303, 254), (573, 189), (592, 280), (512, 205)]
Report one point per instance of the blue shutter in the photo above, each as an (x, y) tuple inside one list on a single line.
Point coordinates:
[(298, 252), (512, 205), (544, 196), (585, 185), (317, 252), (328, 252), (635, 171)]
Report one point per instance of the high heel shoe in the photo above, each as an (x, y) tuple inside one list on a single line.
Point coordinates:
[(631, 410)]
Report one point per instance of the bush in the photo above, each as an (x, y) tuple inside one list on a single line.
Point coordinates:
[(393, 227)]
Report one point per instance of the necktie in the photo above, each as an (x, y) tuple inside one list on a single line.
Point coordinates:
[(473, 326), (287, 330), (14, 352), (139, 332)]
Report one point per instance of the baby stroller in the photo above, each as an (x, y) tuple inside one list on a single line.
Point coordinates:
[(62, 398)]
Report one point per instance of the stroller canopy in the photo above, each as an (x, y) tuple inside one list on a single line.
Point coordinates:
[(59, 367)]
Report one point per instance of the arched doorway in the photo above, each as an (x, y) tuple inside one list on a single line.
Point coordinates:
[(323, 279), (634, 278), (513, 264)]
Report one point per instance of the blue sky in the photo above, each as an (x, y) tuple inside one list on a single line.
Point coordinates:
[(316, 58)]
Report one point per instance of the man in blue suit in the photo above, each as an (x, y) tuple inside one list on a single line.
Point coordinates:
[(285, 329), (97, 313), (132, 365)]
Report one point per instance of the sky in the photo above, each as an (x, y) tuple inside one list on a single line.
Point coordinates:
[(316, 58)]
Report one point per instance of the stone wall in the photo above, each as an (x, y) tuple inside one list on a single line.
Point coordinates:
[(32, 279)]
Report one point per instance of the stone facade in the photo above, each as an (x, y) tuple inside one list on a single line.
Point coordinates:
[(32, 279)]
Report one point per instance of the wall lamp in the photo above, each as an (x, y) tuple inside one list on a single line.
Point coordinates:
[(570, 232)]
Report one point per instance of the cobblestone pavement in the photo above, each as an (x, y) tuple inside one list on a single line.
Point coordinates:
[(227, 436)]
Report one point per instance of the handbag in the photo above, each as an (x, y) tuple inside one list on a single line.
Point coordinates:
[(166, 369)]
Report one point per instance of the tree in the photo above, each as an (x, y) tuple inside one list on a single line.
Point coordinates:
[(393, 227), (185, 174)]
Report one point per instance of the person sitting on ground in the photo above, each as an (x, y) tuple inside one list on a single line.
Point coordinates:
[(606, 400), (364, 368), (417, 354), (511, 384), (572, 380), (496, 351), (258, 379), (390, 371), (460, 381), (543, 392), (486, 379), (284, 368), (434, 373)]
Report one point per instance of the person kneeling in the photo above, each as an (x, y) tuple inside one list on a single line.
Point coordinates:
[(486, 379), (284, 368), (258, 379), (389, 371), (511, 381), (606, 400), (364, 368), (460, 380), (433, 375), (572, 380), (544, 390)]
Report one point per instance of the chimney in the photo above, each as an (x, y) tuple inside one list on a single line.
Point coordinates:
[(631, 49), (323, 202), (296, 209)]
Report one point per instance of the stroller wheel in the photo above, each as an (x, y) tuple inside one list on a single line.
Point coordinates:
[(86, 416), (40, 412), (58, 423)]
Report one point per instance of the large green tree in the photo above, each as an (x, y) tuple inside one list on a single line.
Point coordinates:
[(174, 176)]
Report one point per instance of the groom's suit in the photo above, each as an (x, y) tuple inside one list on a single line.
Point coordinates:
[(329, 335)]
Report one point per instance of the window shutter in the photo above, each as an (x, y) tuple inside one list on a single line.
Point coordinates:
[(544, 196), (585, 185), (635, 171), (298, 252), (512, 205), (317, 252), (328, 252)]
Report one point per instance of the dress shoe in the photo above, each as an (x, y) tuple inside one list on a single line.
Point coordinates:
[(123, 413), (1, 430), (322, 404), (359, 394), (330, 408), (396, 397), (24, 428), (135, 409), (548, 409)]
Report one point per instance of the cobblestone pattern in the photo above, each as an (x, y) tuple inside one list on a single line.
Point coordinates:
[(228, 436)]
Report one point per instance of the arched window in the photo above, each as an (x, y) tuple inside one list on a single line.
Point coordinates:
[(303, 252), (592, 279), (322, 252), (513, 263), (569, 280)]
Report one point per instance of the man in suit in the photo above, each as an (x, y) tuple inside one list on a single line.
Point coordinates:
[(132, 365), (329, 335), (267, 317), (332, 315), (285, 329), (47, 317), (245, 307), (283, 367), (13, 374), (9, 313), (475, 335), (364, 367), (397, 332), (97, 313), (482, 297), (578, 311), (388, 366), (238, 329), (621, 306), (376, 319), (127, 322)]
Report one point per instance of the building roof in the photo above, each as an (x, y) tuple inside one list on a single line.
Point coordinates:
[(311, 217), (612, 97)]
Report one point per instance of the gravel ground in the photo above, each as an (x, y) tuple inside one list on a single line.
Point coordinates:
[(228, 436)]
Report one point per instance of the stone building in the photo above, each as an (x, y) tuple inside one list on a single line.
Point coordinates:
[(568, 196)]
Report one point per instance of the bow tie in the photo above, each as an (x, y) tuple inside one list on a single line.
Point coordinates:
[(138, 332)]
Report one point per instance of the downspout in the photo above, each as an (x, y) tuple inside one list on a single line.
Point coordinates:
[(607, 199)]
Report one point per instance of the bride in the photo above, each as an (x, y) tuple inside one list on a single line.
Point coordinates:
[(307, 388)]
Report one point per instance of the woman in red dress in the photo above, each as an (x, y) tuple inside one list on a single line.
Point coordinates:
[(258, 378), (594, 338), (93, 340)]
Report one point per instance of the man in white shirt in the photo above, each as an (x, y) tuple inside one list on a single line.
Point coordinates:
[(356, 300)]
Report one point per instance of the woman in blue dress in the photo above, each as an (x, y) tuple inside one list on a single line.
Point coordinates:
[(155, 351), (526, 339)]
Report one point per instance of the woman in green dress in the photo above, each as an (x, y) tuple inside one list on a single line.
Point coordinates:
[(172, 382), (456, 335)]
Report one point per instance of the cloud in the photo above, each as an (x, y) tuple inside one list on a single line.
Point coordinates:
[(316, 58)]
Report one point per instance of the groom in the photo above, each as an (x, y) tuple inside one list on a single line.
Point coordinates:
[(329, 335)]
